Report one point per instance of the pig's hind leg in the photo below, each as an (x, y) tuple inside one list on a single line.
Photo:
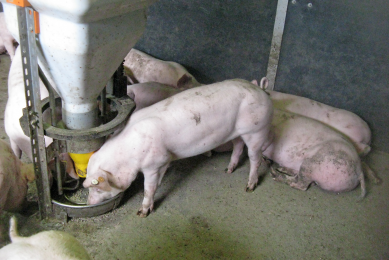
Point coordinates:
[(153, 179), (254, 143), (237, 150)]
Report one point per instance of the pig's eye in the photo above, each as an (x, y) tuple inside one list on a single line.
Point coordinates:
[(98, 190)]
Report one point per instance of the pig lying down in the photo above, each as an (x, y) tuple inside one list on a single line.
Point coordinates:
[(187, 124), (14, 176), (305, 151), (140, 68), (55, 245), (342, 120)]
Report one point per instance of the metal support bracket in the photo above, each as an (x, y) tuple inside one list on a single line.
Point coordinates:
[(33, 102)]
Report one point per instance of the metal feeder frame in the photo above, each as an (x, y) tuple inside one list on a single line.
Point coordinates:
[(64, 140)]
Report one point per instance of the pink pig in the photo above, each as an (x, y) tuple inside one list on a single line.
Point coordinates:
[(146, 94), (6, 37), (13, 111), (187, 124), (140, 68), (342, 120), (306, 151), (14, 176)]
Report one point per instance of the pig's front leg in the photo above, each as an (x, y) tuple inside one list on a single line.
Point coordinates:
[(237, 150), (288, 176), (152, 180)]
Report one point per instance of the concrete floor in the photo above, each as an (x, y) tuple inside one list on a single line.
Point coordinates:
[(203, 213)]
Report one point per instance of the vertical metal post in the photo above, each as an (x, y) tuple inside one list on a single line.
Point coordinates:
[(275, 48), (53, 113), (34, 108)]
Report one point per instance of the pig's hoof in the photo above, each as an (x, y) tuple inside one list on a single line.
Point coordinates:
[(248, 189), (141, 214), (227, 171)]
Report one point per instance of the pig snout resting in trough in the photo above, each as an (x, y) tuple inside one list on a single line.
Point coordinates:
[(187, 124), (14, 176), (14, 110), (7, 39), (140, 67), (55, 245), (306, 151)]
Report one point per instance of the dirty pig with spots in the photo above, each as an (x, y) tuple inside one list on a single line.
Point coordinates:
[(187, 124), (342, 120), (305, 151), (140, 67)]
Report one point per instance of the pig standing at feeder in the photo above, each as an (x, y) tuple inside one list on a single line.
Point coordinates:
[(331, 143), (14, 110), (55, 245), (14, 176), (140, 68), (7, 40), (184, 125)]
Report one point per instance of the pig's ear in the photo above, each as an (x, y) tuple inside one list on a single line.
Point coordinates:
[(185, 79), (100, 182), (264, 83), (255, 82)]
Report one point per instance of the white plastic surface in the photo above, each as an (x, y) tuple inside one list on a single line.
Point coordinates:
[(83, 42)]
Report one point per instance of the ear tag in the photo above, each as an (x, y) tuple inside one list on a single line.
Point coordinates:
[(95, 182)]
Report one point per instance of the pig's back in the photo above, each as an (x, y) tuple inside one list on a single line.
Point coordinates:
[(205, 117), (342, 120), (297, 137)]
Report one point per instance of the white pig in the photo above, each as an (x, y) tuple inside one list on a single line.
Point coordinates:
[(342, 120), (306, 151), (140, 67), (187, 124), (2, 46), (14, 176), (7, 38), (146, 94), (13, 111), (54, 245)]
